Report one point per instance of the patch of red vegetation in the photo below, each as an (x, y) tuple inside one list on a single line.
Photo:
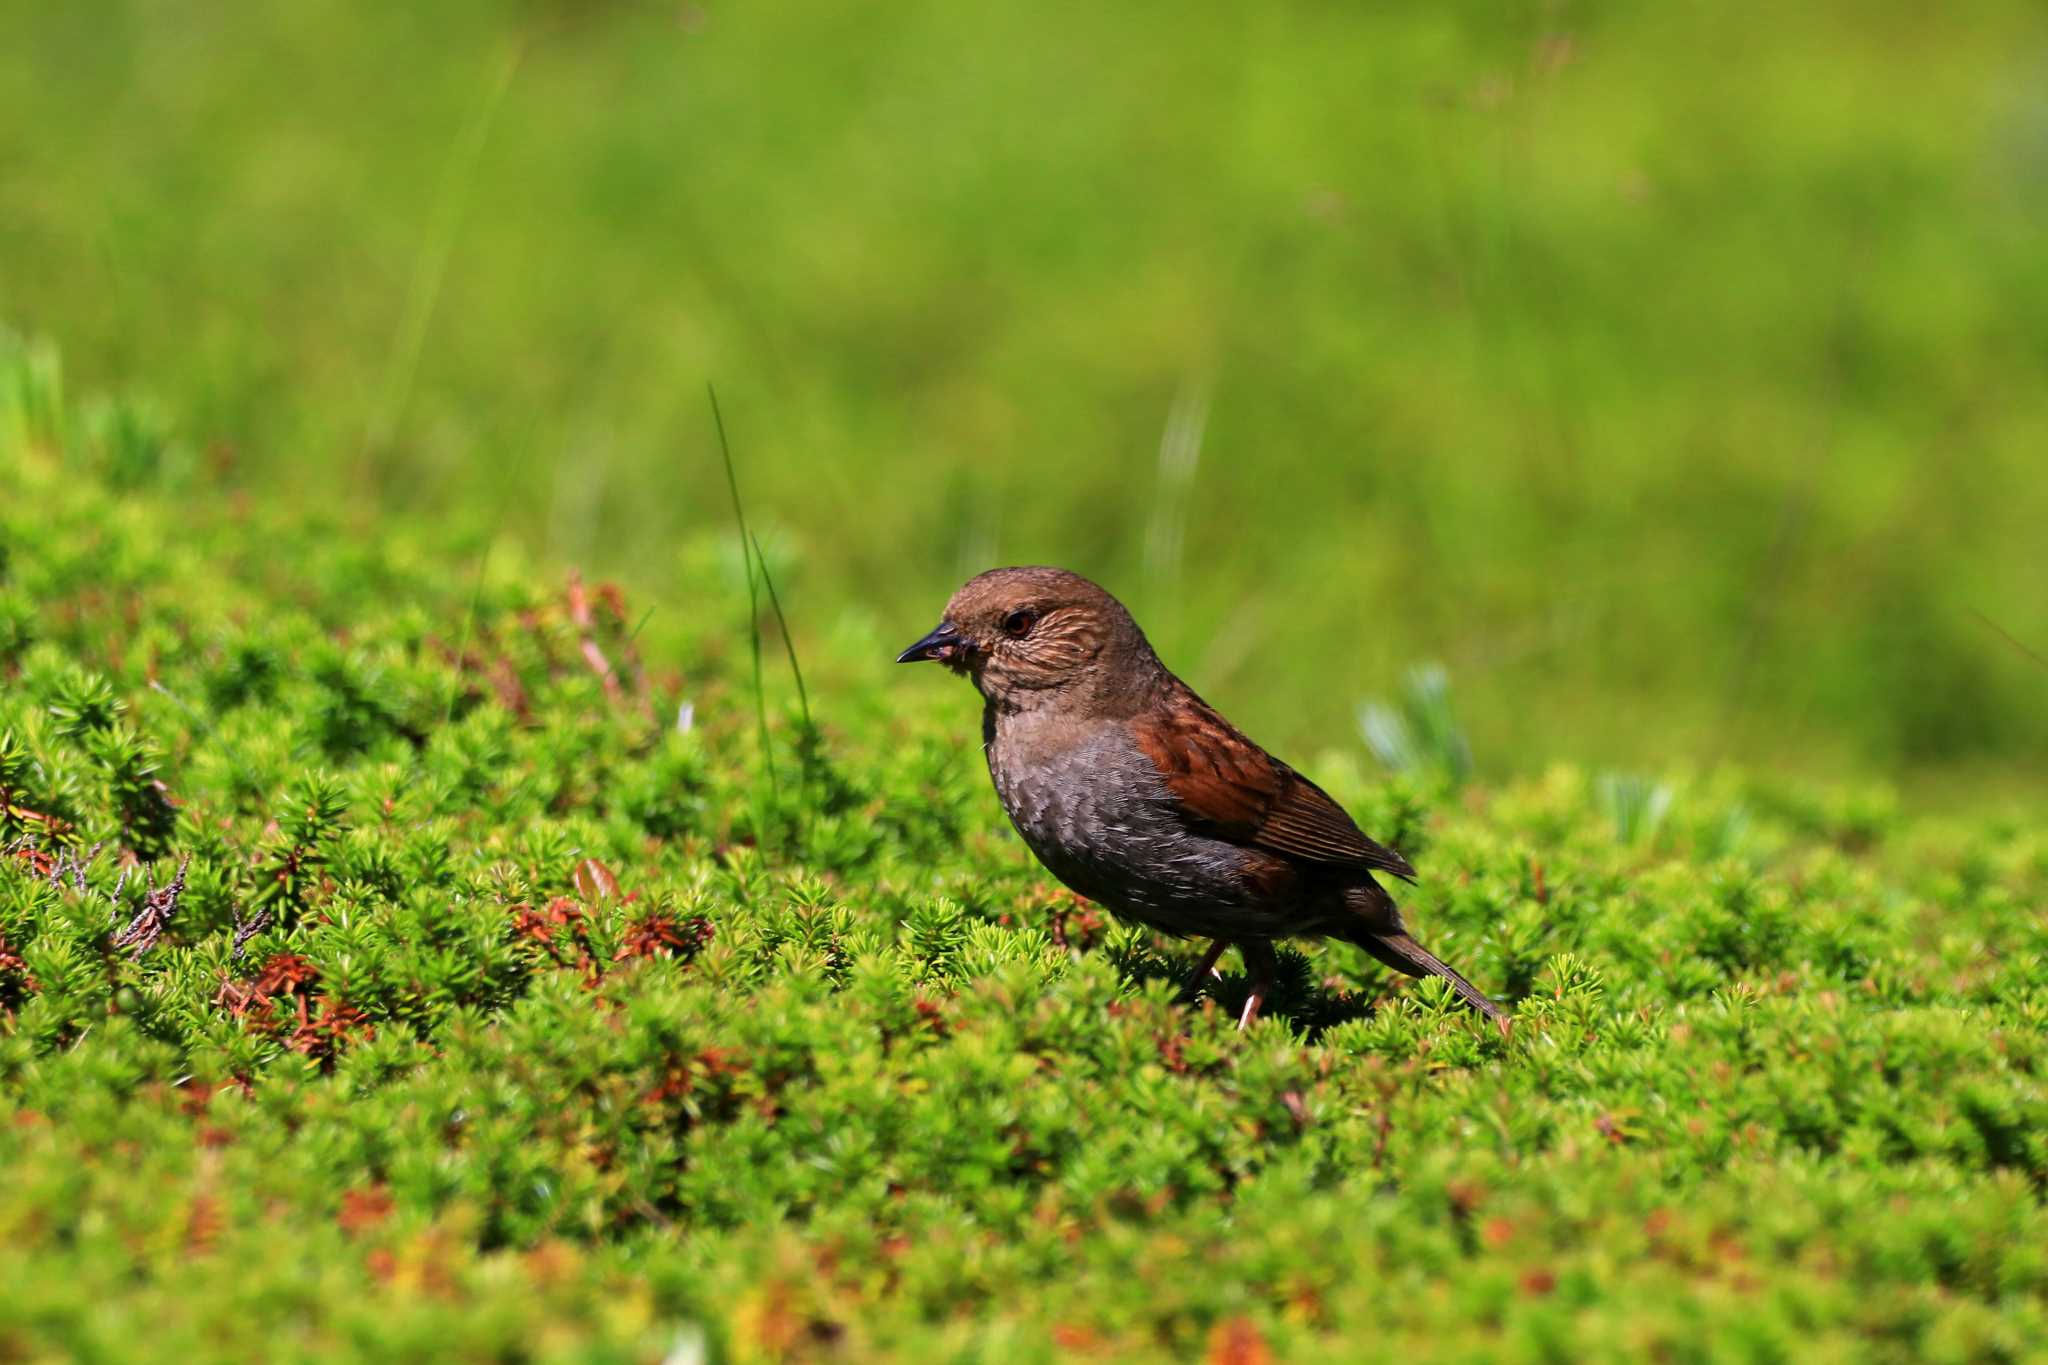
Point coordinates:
[(327, 1034), (563, 928), (562, 915), (1172, 1052), (16, 981), (1075, 922), (280, 1001), (661, 934), (681, 1075), (933, 1016), (361, 1210), (284, 974), (1237, 1341), (40, 865), (1071, 1336)]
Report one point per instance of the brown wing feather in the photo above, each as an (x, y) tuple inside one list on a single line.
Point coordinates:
[(1231, 789)]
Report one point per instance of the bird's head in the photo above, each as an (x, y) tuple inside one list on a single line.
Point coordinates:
[(1028, 636)]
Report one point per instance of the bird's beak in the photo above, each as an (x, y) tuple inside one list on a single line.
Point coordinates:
[(942, 644)]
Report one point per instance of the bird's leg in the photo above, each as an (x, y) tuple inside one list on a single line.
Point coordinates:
[(1260, 967), (1204, 969)]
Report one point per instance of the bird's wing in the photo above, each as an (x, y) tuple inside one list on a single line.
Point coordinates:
[(1229, 788)]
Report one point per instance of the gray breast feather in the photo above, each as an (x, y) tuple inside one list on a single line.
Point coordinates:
[(1098, 815)]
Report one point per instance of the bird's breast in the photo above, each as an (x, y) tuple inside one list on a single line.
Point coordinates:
[(1097, 813)]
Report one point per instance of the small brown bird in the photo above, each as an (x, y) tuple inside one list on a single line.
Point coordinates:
[(1135, 793)]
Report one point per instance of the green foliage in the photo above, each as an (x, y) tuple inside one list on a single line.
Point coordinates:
[(375, 985), (1419, 733), (1636, 805)]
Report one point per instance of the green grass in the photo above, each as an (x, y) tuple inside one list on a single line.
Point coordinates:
[(555, 1033), (1671, 373)]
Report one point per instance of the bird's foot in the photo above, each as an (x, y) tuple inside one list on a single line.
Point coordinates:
[(1205, 971), (1261, 966), (1252, 1000)]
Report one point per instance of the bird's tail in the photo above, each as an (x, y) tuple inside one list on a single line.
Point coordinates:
[(1404, 954)]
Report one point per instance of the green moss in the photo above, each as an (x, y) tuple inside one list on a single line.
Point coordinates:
[(375, 985)]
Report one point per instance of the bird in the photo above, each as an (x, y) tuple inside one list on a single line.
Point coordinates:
[(1138, 795)]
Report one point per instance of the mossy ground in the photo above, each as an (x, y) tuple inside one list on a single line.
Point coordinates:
[(500, 1014)]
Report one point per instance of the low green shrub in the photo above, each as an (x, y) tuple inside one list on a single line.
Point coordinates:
[(401, 959)]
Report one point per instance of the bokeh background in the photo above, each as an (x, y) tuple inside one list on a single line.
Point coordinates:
[(1677, 375)]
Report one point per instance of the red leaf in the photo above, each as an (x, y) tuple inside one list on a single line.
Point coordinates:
[(1237, 1342), (594, 881)]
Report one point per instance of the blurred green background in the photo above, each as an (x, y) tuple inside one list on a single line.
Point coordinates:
[(1678, 375)]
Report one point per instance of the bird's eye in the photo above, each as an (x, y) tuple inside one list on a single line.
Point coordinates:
[(1018, 624)]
